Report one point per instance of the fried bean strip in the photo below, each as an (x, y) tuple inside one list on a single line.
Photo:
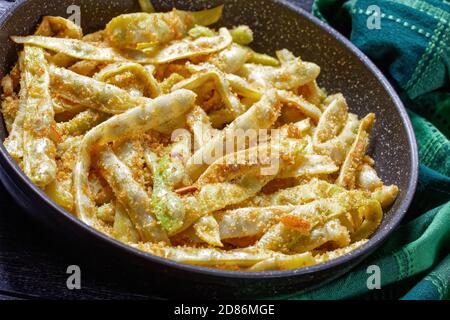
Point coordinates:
[(332, 233), (131, 153), (358, 216), (61, 105), (241, 87), (9, 109), (329, 255), (151, 160), (72, 47), (368, 179), (252, 160), (128, 30), (52, 26), (188, 48), (136, 120), (333, 119), (200, 126), (285, 235), (231, 59), (347, 175), (338, 146), (216, 196), (87, 67), (244, 163), (92, 93), (372, 214), (166, 204), (82, 122), (60, 189), (212, 257), (263, 59), (39, 125), (210, 73), (285, 262), (106, 212), (207, 229), (123, 228), (301, 104), (235, 178), (138, 74), (261, 115), (58, 27), (292, 73), (256, 221), (309, 165), (131, 195), (14, 142), (249, 221), (386, 195), (313, 190)]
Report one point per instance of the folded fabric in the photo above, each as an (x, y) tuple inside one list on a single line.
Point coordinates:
[(411, 45)]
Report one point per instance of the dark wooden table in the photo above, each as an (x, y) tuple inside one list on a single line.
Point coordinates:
[(33, 263)]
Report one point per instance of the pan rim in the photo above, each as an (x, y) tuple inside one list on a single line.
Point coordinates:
[(16, 175)]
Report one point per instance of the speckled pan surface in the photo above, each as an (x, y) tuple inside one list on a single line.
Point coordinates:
[(276, 25)]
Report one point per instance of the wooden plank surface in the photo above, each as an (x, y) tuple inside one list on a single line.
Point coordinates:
[(33, 263)]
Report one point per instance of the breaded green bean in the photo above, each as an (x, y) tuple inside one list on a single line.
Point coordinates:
[(39, 125), (127, 30), (82, 122), (137, 120), (141, 76), (260, 116), (92, 93), (131, 195)]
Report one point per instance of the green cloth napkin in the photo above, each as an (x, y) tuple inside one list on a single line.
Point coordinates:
[(412, 47)]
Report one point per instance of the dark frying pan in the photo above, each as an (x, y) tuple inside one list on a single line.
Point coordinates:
[(276, 24)]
